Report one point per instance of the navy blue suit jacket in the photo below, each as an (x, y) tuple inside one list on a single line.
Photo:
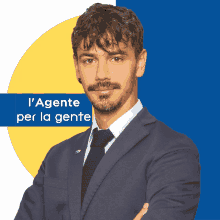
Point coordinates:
[(148, 162)]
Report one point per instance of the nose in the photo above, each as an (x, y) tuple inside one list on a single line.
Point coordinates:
[(102, 72)]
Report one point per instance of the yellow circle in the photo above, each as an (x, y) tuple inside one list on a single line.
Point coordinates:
[(46, 67)]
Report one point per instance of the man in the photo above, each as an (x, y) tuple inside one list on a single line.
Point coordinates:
[(126, 158)]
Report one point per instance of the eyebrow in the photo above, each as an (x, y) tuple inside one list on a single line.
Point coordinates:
[(86, 55), (118, 52)]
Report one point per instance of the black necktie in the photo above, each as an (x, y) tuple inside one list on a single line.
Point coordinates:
[(97, 151)]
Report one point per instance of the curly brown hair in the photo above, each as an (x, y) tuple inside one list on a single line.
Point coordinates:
[(106, 25)]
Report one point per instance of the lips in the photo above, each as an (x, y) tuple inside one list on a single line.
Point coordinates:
[(104, 88)]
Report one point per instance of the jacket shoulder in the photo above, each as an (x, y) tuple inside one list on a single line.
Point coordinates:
[(169, 139)]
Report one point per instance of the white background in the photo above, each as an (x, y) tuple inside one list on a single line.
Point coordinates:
[(21, 23)]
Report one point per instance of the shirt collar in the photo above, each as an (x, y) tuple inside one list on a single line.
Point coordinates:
[(121, 123)]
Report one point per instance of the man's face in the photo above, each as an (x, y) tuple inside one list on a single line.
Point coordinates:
[(107, 76)]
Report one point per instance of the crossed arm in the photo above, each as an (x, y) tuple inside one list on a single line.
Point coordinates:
[(173, 185)]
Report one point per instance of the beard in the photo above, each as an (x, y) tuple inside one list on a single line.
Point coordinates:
[(103, 103), (105, 106)]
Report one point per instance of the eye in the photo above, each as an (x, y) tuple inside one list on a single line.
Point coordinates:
[(116, 59), (88, 61)]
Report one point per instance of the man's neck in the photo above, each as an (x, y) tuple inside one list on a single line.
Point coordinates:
[(104, 120)]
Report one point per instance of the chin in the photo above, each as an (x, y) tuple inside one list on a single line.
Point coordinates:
[(106, 107)]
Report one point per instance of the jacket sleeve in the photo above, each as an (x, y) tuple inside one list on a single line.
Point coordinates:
[(32, 204), (173, 188)]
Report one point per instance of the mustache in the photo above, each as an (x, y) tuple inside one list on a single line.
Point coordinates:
[(104, 85)]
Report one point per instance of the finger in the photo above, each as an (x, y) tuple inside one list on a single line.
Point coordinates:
[(142, 212), (145, 208)]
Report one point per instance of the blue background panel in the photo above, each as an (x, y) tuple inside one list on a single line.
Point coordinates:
[(181, 83)]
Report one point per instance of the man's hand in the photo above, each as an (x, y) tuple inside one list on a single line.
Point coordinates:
[(142, 212)]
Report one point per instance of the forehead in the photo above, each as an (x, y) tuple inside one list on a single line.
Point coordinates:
[(119, 47)]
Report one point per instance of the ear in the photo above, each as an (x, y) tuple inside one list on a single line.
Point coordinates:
[(77, 69), (141, 63)]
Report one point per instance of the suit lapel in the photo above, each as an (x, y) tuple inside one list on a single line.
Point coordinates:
[(119, 148), (75, 173)]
